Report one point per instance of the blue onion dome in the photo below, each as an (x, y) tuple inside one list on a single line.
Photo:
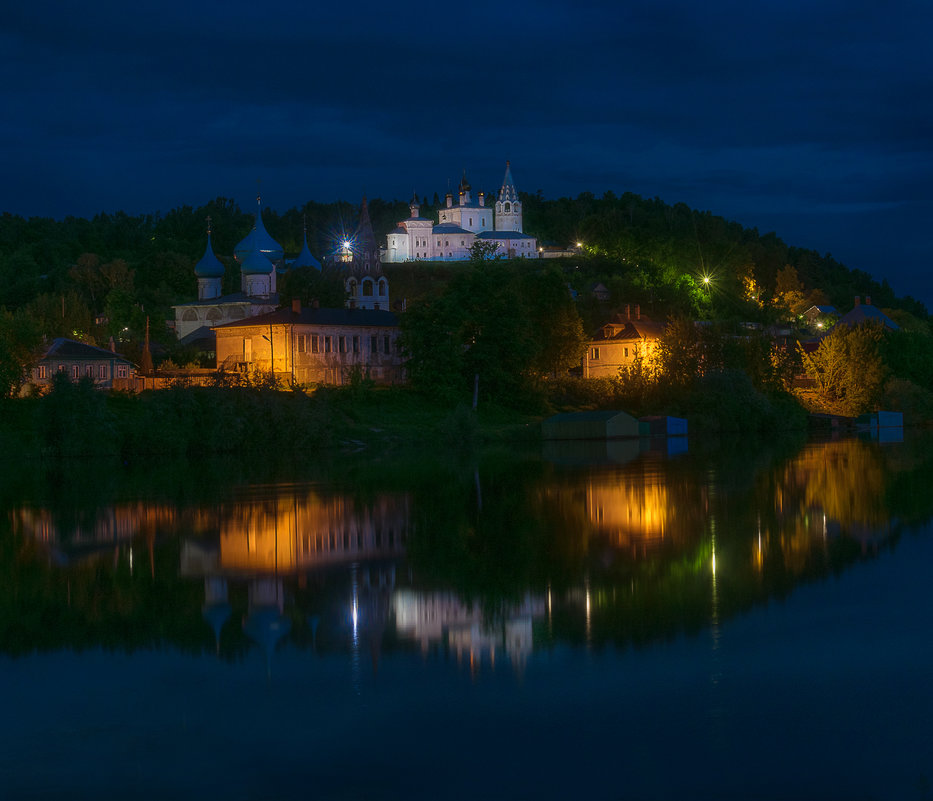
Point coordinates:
[(269, 248), (305, 259), (256, 263), (209, 266)]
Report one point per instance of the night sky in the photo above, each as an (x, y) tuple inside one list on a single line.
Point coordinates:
[(812, 119)]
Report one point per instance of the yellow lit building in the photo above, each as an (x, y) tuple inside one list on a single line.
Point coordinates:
[(314, 345), (618, 343)]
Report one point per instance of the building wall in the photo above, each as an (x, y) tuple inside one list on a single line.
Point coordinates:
[(104, 372), (604, 358), (191, 317), (312, 354)]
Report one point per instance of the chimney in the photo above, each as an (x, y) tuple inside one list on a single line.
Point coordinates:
[(296, 306), (637, 311), (868, 300), (858, 300), (628, 311)]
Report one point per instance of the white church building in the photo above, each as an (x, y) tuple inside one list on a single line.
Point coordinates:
[(460, 225)]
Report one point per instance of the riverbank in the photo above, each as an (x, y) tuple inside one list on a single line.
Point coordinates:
[(76, 420)]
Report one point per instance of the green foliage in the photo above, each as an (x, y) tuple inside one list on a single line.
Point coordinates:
[(309, 285), (500, 322), (19, 345), (849, 369), (74, 420)]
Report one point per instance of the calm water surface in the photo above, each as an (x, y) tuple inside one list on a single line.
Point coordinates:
[(741, 621)]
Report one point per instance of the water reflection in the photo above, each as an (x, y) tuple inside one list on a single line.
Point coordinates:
[(556, 550)]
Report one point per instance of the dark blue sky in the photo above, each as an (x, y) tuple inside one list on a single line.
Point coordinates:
[(812, 119)]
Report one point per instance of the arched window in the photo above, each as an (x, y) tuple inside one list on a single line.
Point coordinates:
[(214, 314), (367, 288), (508, 207), (190, 316), (382, 287)]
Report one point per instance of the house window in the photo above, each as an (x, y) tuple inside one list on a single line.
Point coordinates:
[(314, 343), (626, 353), (101, 370), (327, 345), (41, 371), (89, 370), (374, 344), (342, 344), (385, 345), (61, 368), (484, 221), (446, 243), (302, 344), (75, 371), (594, 353), (121, 371), (356, 343)]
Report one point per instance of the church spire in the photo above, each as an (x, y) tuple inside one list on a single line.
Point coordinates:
[(508, 191)]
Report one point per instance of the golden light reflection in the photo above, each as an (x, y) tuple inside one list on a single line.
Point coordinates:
[(291, 532)]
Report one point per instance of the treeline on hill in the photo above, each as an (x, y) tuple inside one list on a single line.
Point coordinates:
[(511, 323)]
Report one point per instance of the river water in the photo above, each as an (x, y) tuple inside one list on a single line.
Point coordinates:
[(653, 621)]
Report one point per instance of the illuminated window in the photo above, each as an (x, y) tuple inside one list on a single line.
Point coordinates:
[(121, 371), (594, 353), (41, 371)]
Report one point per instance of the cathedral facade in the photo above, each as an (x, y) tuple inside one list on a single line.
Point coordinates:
[(462, 224)]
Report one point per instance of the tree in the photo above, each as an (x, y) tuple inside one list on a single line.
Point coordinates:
[(19, 344), (481, 251), (848, 368)]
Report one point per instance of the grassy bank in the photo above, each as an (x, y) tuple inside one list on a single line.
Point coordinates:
[(77, 420)]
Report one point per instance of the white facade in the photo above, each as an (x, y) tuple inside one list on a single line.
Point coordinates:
[(460, 225)]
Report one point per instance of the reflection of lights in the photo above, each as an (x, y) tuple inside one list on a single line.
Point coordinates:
[(131, 560)]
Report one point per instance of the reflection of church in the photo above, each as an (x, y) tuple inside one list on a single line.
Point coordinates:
[(438, 618)]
